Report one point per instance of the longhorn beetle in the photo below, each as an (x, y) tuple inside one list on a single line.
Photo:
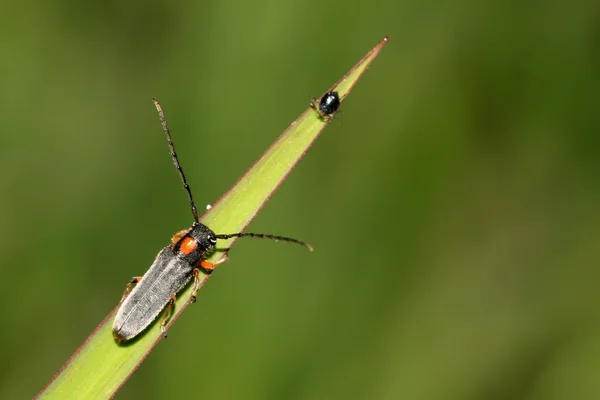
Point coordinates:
[(174, 266)]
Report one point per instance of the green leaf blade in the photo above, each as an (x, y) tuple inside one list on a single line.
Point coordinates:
[(100, 366)]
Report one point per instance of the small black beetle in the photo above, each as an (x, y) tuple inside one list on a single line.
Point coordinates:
[(329, 104)]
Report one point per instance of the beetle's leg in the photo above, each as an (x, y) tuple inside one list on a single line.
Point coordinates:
[(165, 319), (333, 115), (134, 281), (196, 286), (208, 266), (176, 237)]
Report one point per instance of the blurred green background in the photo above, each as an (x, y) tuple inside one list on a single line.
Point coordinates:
[(453, 206)]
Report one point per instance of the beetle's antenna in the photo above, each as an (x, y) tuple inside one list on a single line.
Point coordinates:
[(264, 236), (163, 121)]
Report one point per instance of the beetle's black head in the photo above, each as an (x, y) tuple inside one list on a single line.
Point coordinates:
[(205, 237)]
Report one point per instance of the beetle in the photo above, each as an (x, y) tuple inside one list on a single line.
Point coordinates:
[(174, 267), (327, 106)]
